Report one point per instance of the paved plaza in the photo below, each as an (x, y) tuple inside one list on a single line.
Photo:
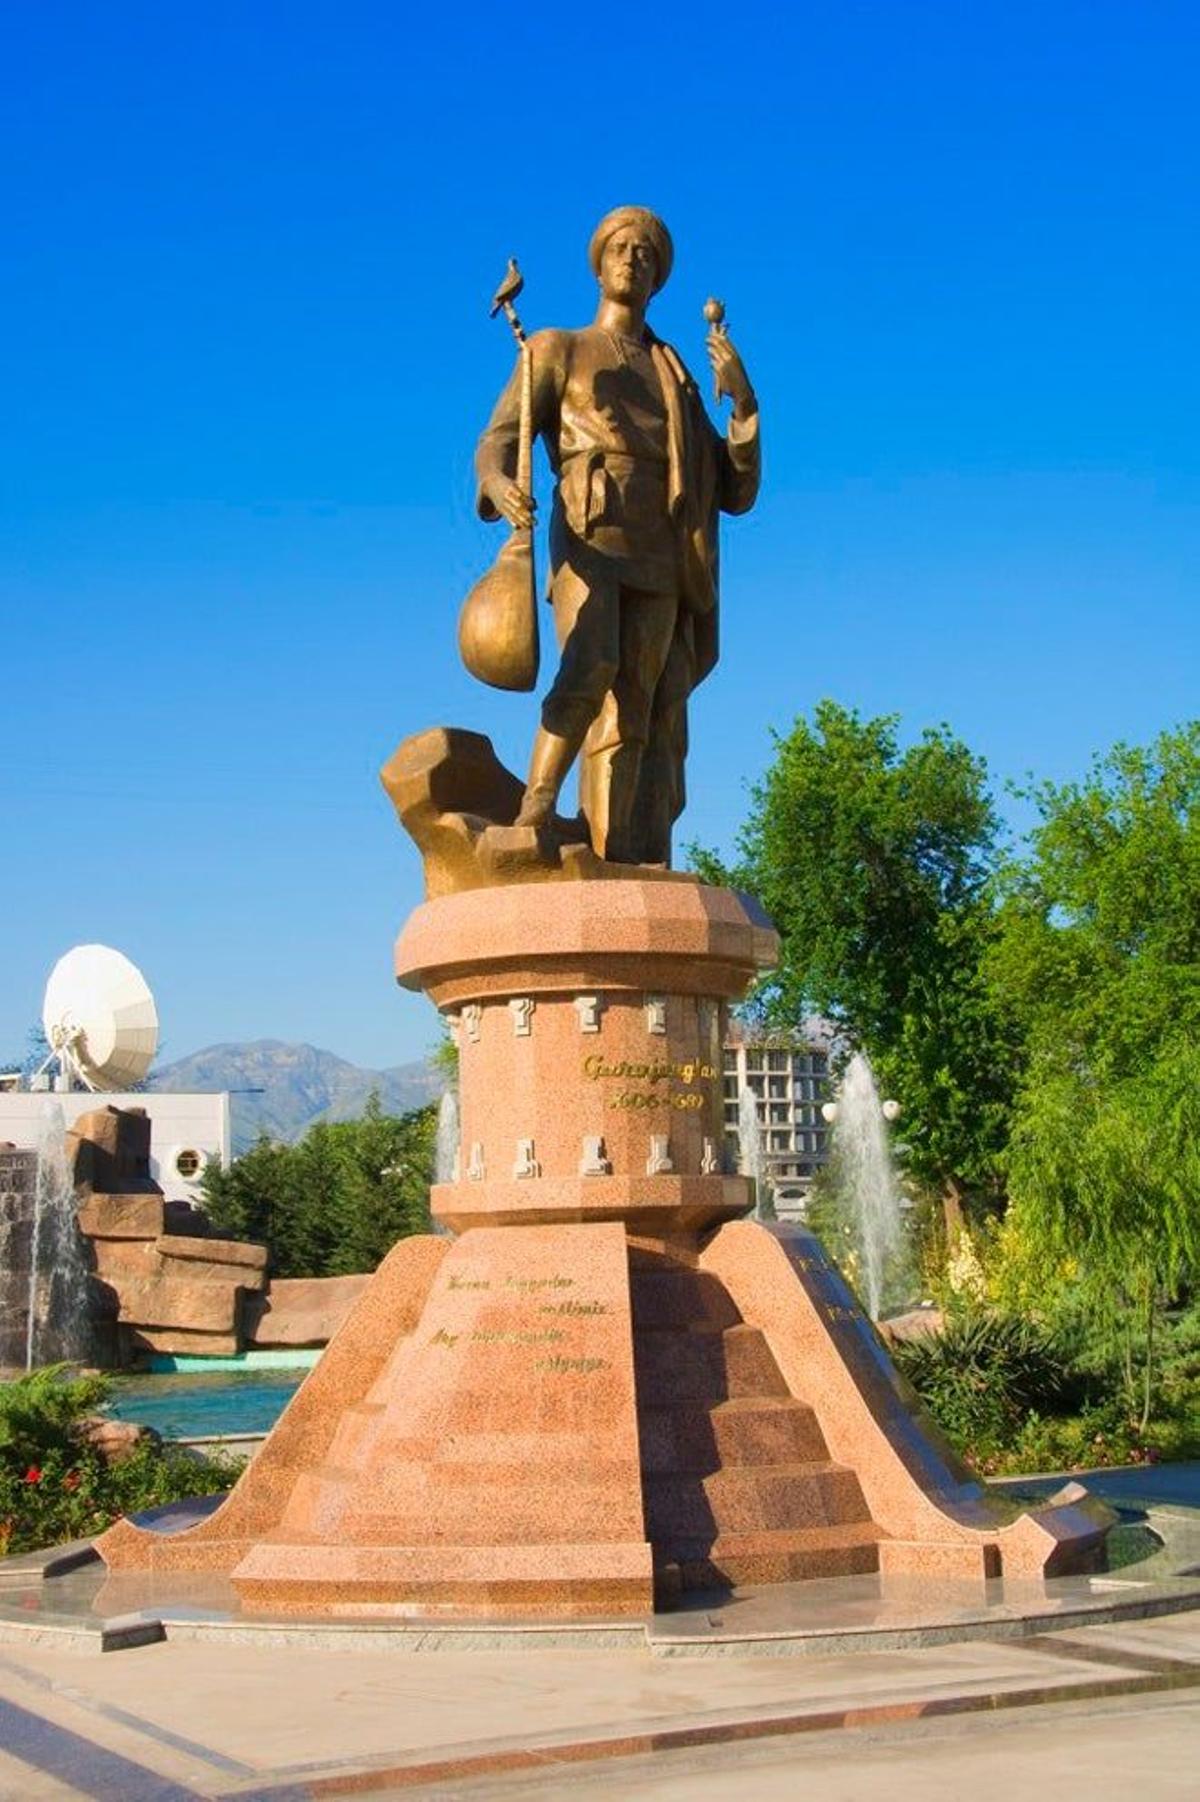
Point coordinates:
[(197, 1718), (218, 1707)]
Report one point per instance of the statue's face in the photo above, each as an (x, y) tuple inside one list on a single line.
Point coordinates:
[(628, 266)]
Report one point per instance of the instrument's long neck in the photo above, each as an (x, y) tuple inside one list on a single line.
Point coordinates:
[(525, 431)]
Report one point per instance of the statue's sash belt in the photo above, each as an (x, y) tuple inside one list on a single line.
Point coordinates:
[(579, 470)]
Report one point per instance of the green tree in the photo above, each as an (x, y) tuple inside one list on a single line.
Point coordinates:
[(1100, 949), (1105, 1179), (874, 864), (335, 1203), (385, 1165), (279, 1196), (1098, 954)]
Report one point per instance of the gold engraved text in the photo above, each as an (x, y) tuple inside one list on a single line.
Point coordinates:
[(647, 1100), (547, 1335), (560, 1366), (595, 1068)]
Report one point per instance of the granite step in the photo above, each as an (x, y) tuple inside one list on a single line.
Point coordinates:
[(455, 1504), (787, 1556), (704, 1364), (353, 1427), (746, 1499), (672, 1295), (696, 1437)]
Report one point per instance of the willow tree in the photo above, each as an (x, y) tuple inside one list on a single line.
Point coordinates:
[(1098, 955), (1104, 1179)]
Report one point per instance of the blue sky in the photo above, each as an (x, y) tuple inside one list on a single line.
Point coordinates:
[(246, 354)]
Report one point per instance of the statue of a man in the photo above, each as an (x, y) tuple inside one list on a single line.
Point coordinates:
[(641, 477)]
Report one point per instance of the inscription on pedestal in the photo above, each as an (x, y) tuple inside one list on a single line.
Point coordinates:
[(521, 1312), (661, 1084)]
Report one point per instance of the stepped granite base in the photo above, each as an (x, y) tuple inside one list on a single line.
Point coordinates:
[(608, 1388)]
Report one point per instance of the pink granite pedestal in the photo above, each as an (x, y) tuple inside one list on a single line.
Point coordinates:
[(608, 1387)]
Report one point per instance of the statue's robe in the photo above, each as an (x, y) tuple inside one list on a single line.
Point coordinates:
[(641, 478)]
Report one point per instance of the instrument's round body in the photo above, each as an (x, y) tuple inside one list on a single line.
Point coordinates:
[(498, 626)]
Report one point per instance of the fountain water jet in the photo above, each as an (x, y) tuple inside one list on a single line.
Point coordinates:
[(445, 1153), (445, 1147), (750, 1154), (18, 1176), (865, 1174), (58, 1325)]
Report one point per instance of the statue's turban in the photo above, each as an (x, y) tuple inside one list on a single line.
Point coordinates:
[(645, 221)]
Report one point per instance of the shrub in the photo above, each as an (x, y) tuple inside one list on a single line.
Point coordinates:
[(1102, 1434), (985, 1374), (56, 1487), (40, 1411)]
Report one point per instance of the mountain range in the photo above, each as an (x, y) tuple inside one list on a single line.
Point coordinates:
[(283, 1089)]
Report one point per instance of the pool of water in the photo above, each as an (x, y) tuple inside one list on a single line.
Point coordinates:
[(194, 1406)]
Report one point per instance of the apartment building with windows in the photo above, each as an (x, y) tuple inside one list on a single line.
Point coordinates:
[(788, 1075)]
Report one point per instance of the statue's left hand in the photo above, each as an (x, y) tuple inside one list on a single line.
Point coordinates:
[(731, 375)]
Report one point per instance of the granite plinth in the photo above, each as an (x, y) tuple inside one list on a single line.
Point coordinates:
[(589, 1019), (383, 1316), (608, 1389), (505, 1582), (934, 1516), (651, 1204)]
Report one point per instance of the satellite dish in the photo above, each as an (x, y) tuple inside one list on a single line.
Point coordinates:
[(99, 1018)]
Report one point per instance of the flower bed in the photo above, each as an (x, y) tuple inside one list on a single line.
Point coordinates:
[(63, 1477)]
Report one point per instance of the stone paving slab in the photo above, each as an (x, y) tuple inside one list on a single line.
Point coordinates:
[(86, 1606), (21, 1781), (376, 1705), (56, 1739), (1106, 1751), (190, 1719), (1171, 1636)]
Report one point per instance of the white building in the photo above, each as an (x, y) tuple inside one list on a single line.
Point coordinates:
[(187, 1132), (788, 1075)]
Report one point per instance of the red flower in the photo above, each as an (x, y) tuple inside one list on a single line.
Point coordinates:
[(33, 1474), (71, 1480)]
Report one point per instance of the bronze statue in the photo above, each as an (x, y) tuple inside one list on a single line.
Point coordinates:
[(641, 477)]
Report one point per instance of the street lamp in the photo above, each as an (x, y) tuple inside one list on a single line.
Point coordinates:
[(889, 1109)]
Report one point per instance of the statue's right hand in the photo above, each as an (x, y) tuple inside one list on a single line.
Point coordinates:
[(517, 507)]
